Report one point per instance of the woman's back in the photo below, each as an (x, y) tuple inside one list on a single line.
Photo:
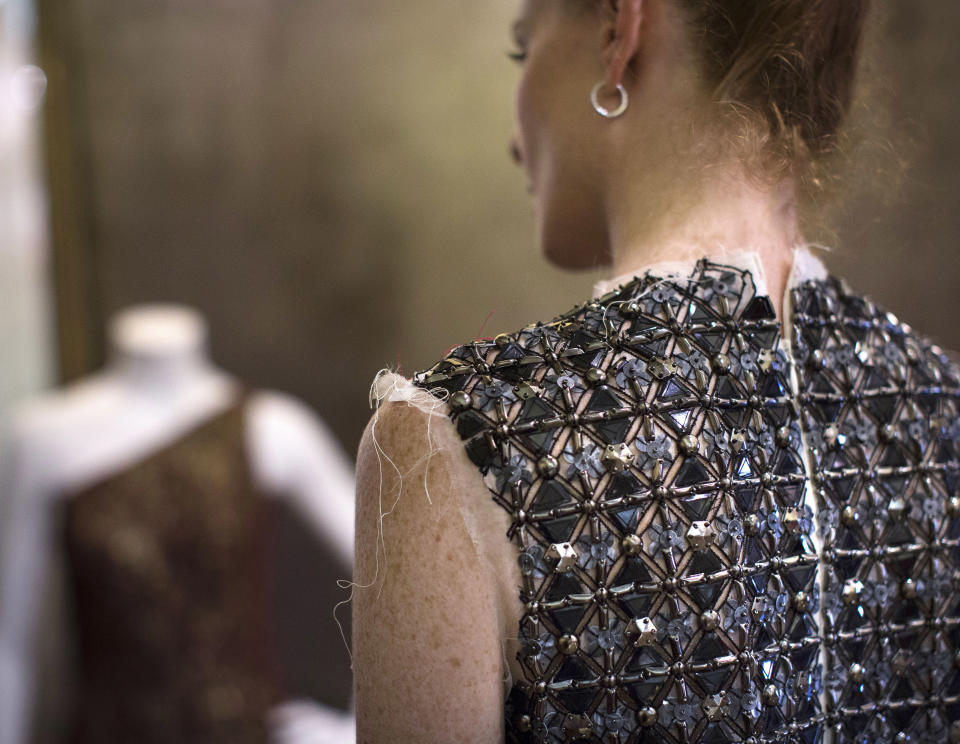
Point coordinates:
[(727, 529), (718, 503)]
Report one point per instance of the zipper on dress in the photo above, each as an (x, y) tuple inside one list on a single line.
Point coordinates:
[(811, 497)]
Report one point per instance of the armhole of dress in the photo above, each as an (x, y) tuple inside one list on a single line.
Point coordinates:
[(481, 523)]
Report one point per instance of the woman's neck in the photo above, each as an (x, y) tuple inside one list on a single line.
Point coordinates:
[(714, 215)]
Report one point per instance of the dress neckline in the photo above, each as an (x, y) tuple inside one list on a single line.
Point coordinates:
[(806, 266)]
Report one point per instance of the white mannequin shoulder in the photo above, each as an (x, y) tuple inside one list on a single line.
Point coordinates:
[(159, 386)]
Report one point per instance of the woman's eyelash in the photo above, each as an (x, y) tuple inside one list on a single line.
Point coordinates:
[(518, 56)]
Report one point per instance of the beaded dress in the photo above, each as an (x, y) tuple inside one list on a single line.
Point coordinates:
[(728, 528)]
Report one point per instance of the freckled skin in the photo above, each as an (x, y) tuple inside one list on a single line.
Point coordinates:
[(426, 634)]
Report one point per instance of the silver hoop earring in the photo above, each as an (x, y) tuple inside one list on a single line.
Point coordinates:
[(605, 112)]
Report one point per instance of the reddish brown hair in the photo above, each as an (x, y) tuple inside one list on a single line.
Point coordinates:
[(788, 66)]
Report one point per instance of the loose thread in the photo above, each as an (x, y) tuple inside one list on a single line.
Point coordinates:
[(426, 402)]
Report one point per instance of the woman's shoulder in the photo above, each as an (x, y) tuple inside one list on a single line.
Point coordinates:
[(422, 577), (634, 316), (496, 367)]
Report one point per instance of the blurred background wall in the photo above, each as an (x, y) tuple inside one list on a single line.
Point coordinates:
[(896, 219), (329, 181)]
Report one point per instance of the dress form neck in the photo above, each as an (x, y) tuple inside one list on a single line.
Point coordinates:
[(160, 351)]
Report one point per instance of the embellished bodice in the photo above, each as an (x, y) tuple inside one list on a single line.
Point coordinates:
[(168, 569), (728, 529)]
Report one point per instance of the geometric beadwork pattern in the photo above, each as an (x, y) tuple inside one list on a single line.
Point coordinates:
[(683, 482), (880, 404)]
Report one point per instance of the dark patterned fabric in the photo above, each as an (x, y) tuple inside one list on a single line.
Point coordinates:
[(167, 561), (725, 534)]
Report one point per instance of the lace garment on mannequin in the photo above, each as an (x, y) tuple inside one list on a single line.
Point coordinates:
[(728, 529)]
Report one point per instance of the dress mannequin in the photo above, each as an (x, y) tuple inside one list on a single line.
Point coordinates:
[(158, 385)]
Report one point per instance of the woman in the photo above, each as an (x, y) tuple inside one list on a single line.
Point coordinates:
[(716, 503)]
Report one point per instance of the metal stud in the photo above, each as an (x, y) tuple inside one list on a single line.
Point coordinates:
[(460, 401), (568, 644), (689, 445), (759, 608), (900, 662), (713, 706), (647, 716), (850, 516), (738, 440), (766, 358), (548, 466), (831, 436), (525, 391), (792, 521), (771, 695), (782, 437), (576, 727), (852, 589), (594, 376), (721, 364), (632, 545), (710, 620), (641, 631), (896, 508), (817, 360), (617, 457), (701, 535), (562, 556), (661, 369), (953, 506)]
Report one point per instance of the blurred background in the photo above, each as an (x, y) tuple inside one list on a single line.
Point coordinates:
[(328, 183)]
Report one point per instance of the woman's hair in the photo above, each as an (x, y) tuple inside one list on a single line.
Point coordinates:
[(786, 68)]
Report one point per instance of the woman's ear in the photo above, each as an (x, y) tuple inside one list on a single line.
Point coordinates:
[(623, 36)]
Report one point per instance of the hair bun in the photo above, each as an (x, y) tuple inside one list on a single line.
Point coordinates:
[(789, 65)]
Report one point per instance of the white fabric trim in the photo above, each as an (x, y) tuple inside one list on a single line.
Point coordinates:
[(805, 266)]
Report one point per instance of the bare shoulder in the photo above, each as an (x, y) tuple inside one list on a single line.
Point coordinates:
[(405, 469), (425, 631), (399, 431)]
